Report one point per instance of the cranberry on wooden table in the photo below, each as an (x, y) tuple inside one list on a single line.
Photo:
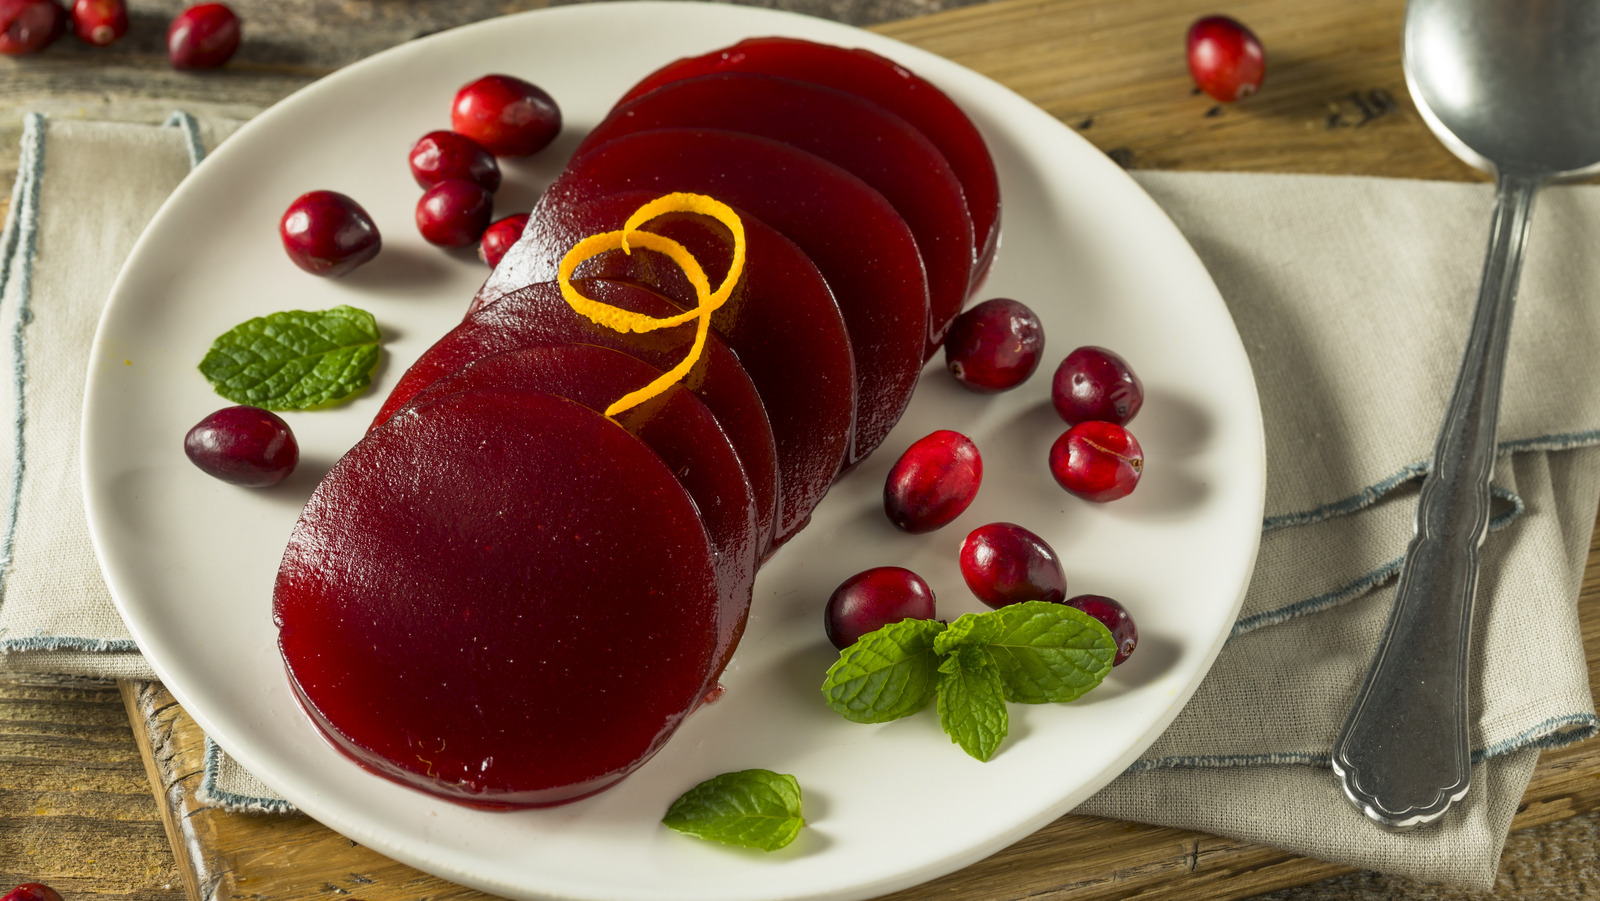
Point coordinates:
[(328, 233), (1113, 616), (870, 600), (454, 213), (1094, 383), (507, 115), (442, 155), (498, 237), (1097, 461), (204, 36), (1225, 58), (933, 482), (1003, 563), (994, 346), (32, 891), (99, 22), (243, 445), (28, 26)]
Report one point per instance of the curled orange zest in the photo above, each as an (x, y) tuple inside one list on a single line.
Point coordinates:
[(707, 301)]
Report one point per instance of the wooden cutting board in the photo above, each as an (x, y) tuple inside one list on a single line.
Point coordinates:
[(1114, 72)]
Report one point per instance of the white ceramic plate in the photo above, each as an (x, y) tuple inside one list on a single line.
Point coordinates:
[(191, 560)]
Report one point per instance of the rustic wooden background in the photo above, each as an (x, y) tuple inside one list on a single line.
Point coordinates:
[(76, 806)]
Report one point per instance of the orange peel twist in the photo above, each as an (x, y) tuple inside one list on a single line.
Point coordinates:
[(625, 240)]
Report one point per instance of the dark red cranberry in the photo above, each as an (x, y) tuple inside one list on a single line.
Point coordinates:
[(1003, 563), (204, 36), (507, 115), (28, 26), (1115, 617), (1225, 58), (498, 238), (32, 891), (1094, 383), (933, 481), (327, 233), (1097, 461), (994, 346), (99, 22), (868, 601), (443, 155), (243, 445), (454, 213)]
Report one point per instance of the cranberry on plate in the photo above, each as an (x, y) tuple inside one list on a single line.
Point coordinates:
[(870, 600), (99, 22), (994, 346), (454, 213), (243, 445), (1094, 383), (442, 155), (1097, 461), (1003, 563), (507, 115), (327, 233), (933, 482), (204, 36), (1113, 616), (1225, 58), (498, 238), (28, 26)]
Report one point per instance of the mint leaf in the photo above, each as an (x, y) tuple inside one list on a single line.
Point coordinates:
[(1046, 652), (889, 673), (295, 360), (750, 808), (972, 707), (971, 629)]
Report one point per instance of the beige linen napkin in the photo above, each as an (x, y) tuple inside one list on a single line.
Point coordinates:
[(1352, 297)]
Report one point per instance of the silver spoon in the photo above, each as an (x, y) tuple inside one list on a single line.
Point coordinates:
[(1512, 88)]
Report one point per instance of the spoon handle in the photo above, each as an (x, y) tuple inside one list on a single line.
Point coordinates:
[(1403, 756)]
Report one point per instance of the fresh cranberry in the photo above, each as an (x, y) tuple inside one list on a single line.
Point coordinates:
[(443, 155), (1097, 461), (99, 22), (1225, 58), (1003, 563), (1094, 383), (243, 445), (933, 481), (1115, 617), (32, 891), (498, 238), (28, 26), (327, 233), (994, 346), (204, 36), (454, 213), (870, 600), (507, 115)]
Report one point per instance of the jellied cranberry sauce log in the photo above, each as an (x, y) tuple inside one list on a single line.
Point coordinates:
[(506, 598)]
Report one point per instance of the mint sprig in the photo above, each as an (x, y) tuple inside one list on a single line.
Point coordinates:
[(1029, 653), (750, 808), (295, 360)]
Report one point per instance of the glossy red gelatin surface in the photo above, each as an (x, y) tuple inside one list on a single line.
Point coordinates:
[(860, 137), (781, 321), (858, 242), (874, 78), (538, 316), (504, 623)]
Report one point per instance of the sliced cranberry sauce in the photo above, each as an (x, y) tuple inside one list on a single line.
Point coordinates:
[(870, 76), (859, 243), (862, 138), (500, 598)]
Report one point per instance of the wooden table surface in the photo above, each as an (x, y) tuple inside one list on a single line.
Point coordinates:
[(76, 808)]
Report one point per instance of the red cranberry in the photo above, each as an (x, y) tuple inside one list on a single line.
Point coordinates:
[(994, 346), (443, 155), (28, 26), (498, 238), (1225, 58), (454, 213), (507, 115), (32, 891), (1097, 461), (327, 233), (99, 22), (242, 445), (204, 36), (868, 601), (1003, 563), (1115, 617), (933, 481), (1094, 383)]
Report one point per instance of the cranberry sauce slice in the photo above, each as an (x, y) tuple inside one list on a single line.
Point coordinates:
[(674, 424), (538, 316), (886, 83), (782, 322), (862, 138), (497, 622), (859, 243)]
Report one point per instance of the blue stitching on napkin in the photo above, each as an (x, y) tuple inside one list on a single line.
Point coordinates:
[(191, 130), (17, 249), (59, 643), (1555, 732), (209, 794)]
